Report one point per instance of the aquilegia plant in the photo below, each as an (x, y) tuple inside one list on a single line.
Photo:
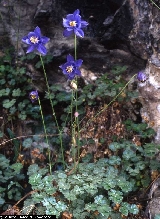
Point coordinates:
[(37, 42), (33, 95), (73, 24)]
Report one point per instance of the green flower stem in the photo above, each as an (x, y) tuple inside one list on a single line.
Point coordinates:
[(73, 129), (74, 144), (109, 102), (72, 99), (76, 98), (59, 131), (74, 124), (17, 35), (77, 126), (78, 137), (45, 131), (155, 4), (49, 91), (75, 47)]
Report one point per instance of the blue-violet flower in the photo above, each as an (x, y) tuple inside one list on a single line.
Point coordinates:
[(33, 95), (73, 24), (36, 41), (71, 67), (141, 76)]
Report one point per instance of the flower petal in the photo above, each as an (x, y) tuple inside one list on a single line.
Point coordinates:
[(78, 62), (70, 28), (79, 32), (44, 39), (70, 17), (37, 31), (42, 49), (26, 40), (78, 72), (61, 66), (70, 58), (32, 34), (77, 18), (71, 76), (78, 21), (76, 12), (84, 24), (66, 22), (31, 48), (67, 33)]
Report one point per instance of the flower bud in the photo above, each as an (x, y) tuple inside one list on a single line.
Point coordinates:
[(73, 85)]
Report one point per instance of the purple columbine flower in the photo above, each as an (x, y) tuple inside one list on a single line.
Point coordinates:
[(36, 41), (73, 24), (141, 76), (71, 67), (33, 95)]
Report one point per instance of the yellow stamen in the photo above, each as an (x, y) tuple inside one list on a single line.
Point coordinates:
[(34, 39), (72, 23), (33, 97), (69, 69)]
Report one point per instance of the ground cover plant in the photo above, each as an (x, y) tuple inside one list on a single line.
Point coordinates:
[(88, 162)]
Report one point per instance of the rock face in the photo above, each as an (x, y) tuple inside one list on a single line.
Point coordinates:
[(153, 206), (119, 32), (144, 42)]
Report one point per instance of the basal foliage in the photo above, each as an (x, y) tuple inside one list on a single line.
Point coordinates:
[(10, 178), (95, 189), (14, 88)]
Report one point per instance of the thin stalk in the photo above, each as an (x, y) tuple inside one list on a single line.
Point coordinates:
[(49, 91), (109, 102), (75, 47), (74, 144), (45, 131), (78, 137), (73, 129), (77, 126), (18, 36), (59, 131), (76, 98), (72, 99), (155, 4)]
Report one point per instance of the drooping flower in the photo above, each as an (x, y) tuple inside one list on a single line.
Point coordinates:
[(71, 67), (141, 76), (33, 95), (36, 41), (74, 24)]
